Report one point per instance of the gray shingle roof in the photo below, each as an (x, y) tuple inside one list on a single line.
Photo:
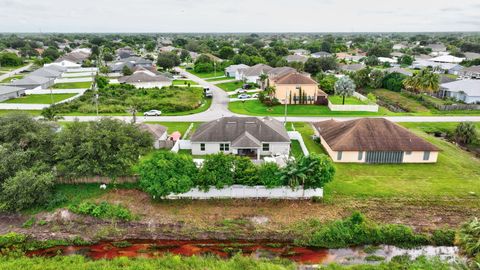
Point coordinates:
[(229, 129), (470, 87), (31, 80), (257, 70), (9, 89)]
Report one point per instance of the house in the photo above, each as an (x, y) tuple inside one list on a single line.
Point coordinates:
[(301, 52), (125, 52), (437, 48), (471, 55), (245, 136), (467, 91), (320, 54), (399, 46), (399, 70), (387, 60), (447, 59), (130, 62), (373, 140), (296, 58), (49, 72), (472, 72), (296, 88), (252, 74), (158, 132), (349, 57), (280, 71), (9, 92), (33, 82), (352, 67), (143, 78), (449, 68), (231, 70), (167, 49)]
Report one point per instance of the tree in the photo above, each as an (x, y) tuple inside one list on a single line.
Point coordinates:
[(185, 56), (168, 60), (376, 78), (394, 81), (51, 114), (226, 52), (361, 77), (217, 170), (106, 147), (150, 46), (101, 81), (380, 50), (126, 71), (406, 60), (134, 104), (371, 61), (166, 172), (423, 81), (263, 80), (268, 175), (26, 189), (316, 65), (244, 171), (344, 87), (10, 60), (327, 83), (465, 133)]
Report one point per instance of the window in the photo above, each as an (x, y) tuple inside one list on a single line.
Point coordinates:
[(224, 147), (426, 155), (360, 155), (339, 155), (408, 153), (266, 147), (202, 147)]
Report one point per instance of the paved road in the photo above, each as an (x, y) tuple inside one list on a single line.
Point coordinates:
[(219, 108), (14, 72)]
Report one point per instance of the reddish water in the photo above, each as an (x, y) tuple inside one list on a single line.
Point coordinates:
[(152, 249), (304, 255)]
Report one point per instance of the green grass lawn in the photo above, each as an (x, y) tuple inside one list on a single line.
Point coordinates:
[(184, 82), (219, 79), (9, 79), (454, 175), (296, 149), (40, 99), (410, 104), (255, 107), (218, 73), (72, 85), (29, 112), (205, 105), (230, 86), (348, 100)]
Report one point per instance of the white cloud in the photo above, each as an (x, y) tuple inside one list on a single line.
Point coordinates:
[(237, 16)]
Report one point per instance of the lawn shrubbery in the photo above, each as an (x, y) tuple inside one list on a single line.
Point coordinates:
[(115, 99), (165, 173), (103, 210), (358, 230)]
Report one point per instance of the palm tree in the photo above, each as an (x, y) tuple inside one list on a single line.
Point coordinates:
[(465, 133), (344, 87), (270, 90), (293, 174), (263, 80), (134, 105)]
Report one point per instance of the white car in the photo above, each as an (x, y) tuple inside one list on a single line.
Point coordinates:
[(255, 96), (241, 91), (152, 113), (243, 96)]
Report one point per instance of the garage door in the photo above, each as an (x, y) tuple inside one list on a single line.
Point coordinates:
[(384, 157)]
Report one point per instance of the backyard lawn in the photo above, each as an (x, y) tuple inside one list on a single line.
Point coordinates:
[(72, 85), (184, 82), (348, 100), (455, 175), (40, 99), (218, 73), (230, 86), (405, 102), (9, 79), (223, 78), (255, 107)]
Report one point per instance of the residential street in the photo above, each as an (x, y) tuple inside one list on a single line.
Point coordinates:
[(14, 72)]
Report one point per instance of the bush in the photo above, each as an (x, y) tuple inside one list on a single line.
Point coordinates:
[(217, 170), (102, 210), (468, 238), (245, 172), (11, 239), (269, 176), (393, 81), (167, 172), (443, 237)]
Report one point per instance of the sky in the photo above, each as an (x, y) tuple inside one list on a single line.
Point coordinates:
[(239, 16)]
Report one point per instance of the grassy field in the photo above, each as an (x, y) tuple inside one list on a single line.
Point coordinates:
[(218, 73), (230, 86), (184, 82), (9, 79), (410, 104), (40, 99), (455, 175), (30, 112), (72, 85), (348, 100), (218, 79), (206, 104), (254, 107)]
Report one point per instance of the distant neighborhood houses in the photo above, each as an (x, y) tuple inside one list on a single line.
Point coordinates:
[(130, 62), (145, 78)]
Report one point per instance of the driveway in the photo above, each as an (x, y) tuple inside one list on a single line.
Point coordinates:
[(14, 72)]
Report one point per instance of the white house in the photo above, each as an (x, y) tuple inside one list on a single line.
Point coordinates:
[(231, 70), (143, 78), (9, 92), (447, 59), (320, 54), (472, 72), (252, 74), (245, 136), (467, 91), (64, 63)]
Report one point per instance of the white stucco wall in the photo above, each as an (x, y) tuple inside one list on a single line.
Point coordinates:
[(214, 147), (151, 84)]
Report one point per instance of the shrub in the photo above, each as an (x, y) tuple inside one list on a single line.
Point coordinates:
[(245, 172), (443, 237), (102, 210), (394, 81), (468, 238), (11, 239), (269, 175), (217, 170), (167, 172)]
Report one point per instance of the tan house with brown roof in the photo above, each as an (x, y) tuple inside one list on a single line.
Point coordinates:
[(373, 140), (296, 88)]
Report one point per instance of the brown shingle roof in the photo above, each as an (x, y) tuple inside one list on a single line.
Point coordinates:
[(156, 130), (294, 78), (370, 134)]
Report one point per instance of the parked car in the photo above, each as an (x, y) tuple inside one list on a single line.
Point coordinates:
[(243, 96), (152, 113), (207, 92), (241, 91), (246, 86), (255, 96)]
